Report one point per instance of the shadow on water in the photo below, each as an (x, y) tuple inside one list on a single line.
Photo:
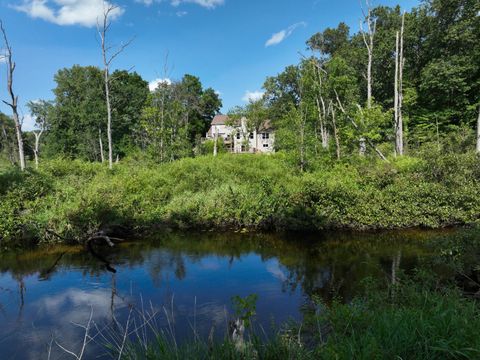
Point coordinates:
[(195, 275)]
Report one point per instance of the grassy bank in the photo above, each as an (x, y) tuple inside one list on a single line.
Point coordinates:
[(408, 321), (67, 200)]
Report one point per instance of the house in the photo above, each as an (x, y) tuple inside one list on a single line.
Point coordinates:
[(237, 138)]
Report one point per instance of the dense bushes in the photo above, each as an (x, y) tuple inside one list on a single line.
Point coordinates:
[(73, 198)]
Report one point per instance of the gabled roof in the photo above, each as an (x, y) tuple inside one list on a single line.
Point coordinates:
[(224, 119), (220, 120)]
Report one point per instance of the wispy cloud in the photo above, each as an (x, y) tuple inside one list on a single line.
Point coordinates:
[(280, 36), (252, 95), (208, 4), (67, 12)]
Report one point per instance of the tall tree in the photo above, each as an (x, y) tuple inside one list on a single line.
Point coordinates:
[(108, 58), (78, 114), (13, 103), (398, 101), (368, 39)]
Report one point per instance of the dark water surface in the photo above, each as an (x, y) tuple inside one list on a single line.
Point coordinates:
[(45, 292)]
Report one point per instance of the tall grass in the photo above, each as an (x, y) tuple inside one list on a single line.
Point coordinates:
[(412, 319)]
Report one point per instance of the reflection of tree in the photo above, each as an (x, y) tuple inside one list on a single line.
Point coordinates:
[(324, 264)]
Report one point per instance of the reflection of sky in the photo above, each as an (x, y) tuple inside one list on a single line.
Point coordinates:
[(201, 288)]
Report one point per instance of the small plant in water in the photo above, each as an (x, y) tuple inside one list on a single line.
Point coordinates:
[(245, 308)]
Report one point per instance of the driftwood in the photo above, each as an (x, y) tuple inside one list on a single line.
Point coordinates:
[(98, 236), (101, 235)]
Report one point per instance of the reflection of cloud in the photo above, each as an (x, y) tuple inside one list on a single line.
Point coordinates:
[(59, 312), (204, 315), (275, 270)]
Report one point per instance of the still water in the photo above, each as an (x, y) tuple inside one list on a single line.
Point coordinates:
[(189, 279)]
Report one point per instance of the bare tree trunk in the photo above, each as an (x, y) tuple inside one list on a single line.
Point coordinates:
[(335, 133), (36, 150), (100, 142), (321, 117), (368, 39), (14, 99), (478, 131), (362, 146), (107, 60), (401, 64), (397, 41), (109, 118)]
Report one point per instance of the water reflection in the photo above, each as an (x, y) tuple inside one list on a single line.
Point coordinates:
[(194, 276)]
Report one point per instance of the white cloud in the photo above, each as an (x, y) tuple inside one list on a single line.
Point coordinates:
[(278, 37), (145, 2), (153, 85), (68, 12), (209, 4), (181, 13), (252, 96), (28, 123)]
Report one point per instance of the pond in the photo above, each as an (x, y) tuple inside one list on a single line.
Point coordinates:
[(187, 281)]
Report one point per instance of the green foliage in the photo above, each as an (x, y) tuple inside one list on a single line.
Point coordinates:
[(245, 308), (412, 319), (176, 117), (74, 198)]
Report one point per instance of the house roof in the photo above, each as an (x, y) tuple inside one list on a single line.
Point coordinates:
[(220, 120), (223, 120)]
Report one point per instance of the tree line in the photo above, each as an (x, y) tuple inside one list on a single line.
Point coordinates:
[(405, 79)]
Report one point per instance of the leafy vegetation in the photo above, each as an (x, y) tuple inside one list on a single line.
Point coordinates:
[(70, 200)]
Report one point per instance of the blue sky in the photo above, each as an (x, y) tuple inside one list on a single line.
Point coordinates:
[(232, 45)]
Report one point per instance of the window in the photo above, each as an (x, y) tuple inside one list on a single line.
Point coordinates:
[(265, 136), (251, 135), (238, 136), (265, 145)]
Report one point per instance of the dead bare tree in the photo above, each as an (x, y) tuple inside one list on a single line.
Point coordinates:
[(368, 39), (395, 100), (108, 55), (13, 104), (36, 150), (100, 143), (399, 65), (322, 111), (478, 131)]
